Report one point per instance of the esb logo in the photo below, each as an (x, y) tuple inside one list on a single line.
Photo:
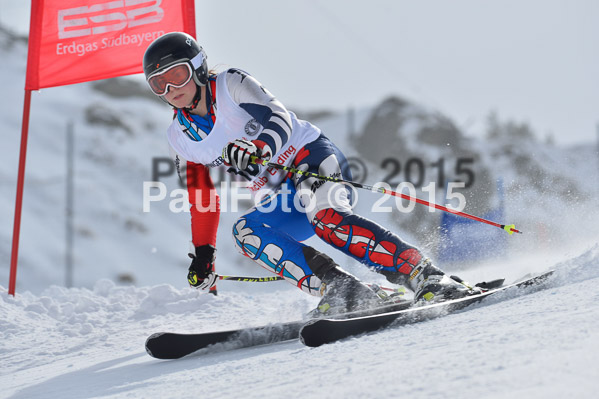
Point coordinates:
[(107, 17)]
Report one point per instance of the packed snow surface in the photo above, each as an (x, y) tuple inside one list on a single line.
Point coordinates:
[(80, 343)]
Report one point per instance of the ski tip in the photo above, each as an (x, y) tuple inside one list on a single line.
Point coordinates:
[(309, 334), (149, 343), (489, 285), (154, 336)]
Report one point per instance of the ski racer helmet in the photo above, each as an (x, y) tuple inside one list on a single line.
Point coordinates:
[(176, 48)]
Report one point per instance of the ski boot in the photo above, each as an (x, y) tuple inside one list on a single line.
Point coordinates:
[(344, 293), (431, 285)]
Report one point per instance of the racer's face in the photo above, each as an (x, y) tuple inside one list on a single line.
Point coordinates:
[(181, 97)]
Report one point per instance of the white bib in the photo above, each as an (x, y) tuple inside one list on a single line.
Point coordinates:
[(233, 122)]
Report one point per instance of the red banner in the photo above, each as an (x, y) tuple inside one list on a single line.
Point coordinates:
[(73, 41)]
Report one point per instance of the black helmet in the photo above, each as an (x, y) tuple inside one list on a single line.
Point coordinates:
[(173, 48)]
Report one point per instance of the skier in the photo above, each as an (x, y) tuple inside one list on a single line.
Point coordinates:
[(229, 117)]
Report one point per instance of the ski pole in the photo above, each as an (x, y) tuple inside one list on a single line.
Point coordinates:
[(510, 228), (250, 279), (279, 278)]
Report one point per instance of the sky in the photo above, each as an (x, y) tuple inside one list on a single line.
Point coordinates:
[(533, 61)]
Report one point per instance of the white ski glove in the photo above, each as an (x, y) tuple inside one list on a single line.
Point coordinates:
[(208, 282), (239, 153)]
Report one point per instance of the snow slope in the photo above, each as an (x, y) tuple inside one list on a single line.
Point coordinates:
[(87, 342), (81, 343)]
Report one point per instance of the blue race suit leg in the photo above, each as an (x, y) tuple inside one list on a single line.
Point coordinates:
[(270, 234)]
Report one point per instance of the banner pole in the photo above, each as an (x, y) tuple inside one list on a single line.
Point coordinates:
[(19, 199)]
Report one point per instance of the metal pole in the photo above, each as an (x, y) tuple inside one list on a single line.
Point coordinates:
[(598, 154), (14, 256), (69, 205), (351, 122)]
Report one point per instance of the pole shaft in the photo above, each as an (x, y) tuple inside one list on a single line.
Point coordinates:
[(70, 190), (277, 278), (19, 197)]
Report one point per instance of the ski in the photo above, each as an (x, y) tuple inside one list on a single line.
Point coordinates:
[(170, 345), (323, 331)]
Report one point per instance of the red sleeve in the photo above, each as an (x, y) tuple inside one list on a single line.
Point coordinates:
[(205, 205)]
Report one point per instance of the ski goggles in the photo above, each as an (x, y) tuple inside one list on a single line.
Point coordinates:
[(177, 75)]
